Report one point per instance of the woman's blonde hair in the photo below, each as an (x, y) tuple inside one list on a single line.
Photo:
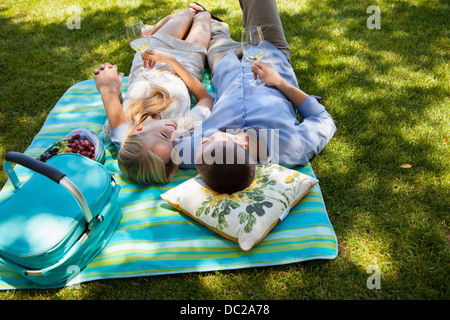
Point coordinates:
[(135, 159)]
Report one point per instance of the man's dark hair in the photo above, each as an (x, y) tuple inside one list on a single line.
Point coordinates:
[(226, 177)]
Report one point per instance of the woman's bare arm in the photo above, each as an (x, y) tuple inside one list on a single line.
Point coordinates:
[(109, 83), (150, 57)]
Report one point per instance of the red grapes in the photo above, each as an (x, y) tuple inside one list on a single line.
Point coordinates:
[(75, 144)]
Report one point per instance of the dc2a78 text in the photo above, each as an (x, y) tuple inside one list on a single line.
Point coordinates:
[(246, 309)]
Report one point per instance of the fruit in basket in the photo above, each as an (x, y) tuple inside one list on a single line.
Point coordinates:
[(75, 144)]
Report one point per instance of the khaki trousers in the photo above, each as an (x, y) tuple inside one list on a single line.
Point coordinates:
[(263, 13)]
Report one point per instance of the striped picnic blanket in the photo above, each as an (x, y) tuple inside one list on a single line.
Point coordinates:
[(152, 237)]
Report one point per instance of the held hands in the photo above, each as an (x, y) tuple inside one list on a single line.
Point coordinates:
[(151, 57), (266, 73), (107, 80)]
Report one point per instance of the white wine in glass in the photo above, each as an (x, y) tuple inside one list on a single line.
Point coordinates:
[(136, 36), (253, 46), (140, 44)]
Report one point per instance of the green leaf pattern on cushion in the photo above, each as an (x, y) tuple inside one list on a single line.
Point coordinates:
[(252, 201)]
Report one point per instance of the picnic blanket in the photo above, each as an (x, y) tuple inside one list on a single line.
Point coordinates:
[(152, 237)]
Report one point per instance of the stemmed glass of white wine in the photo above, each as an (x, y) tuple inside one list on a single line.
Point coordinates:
[(137, 36), (253, 47)]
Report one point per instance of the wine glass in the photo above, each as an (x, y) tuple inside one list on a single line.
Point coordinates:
[(137, 36), (253, 47)]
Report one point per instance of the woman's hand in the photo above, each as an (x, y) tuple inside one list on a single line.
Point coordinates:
[(151, 57), (266, 73), (107, 80)]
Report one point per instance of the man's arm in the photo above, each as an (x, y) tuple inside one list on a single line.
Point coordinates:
[(271, 77), (317, 127)]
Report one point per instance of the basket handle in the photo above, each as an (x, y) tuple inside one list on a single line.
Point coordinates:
[(35, 165), (50, 172)]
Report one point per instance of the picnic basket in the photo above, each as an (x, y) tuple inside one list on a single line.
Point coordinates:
[(54, 223)]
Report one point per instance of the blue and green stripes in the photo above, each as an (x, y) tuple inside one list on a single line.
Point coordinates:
[(153, 238)]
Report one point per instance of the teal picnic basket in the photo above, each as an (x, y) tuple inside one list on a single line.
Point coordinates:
[(59, 219)]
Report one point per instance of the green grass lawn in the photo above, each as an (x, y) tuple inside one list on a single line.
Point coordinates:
[(387, 89)]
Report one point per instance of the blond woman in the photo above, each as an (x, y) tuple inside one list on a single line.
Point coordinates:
[(156, 108)]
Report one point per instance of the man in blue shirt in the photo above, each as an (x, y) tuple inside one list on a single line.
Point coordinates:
[(270, 108)]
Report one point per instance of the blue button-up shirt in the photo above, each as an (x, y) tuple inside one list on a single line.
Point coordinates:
[(240, 105)]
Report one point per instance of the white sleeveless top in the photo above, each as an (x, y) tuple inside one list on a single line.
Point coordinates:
[(192, 56)]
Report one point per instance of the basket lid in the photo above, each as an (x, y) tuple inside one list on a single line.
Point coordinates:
[(41, 214)]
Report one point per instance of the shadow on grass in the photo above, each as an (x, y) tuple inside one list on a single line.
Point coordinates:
[(386, 90)]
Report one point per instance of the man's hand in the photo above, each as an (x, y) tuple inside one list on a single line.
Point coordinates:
[(107, 80), (266, 73), (271, 77), (151, 57)]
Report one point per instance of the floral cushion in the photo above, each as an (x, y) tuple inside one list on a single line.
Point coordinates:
[(247, 216)]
